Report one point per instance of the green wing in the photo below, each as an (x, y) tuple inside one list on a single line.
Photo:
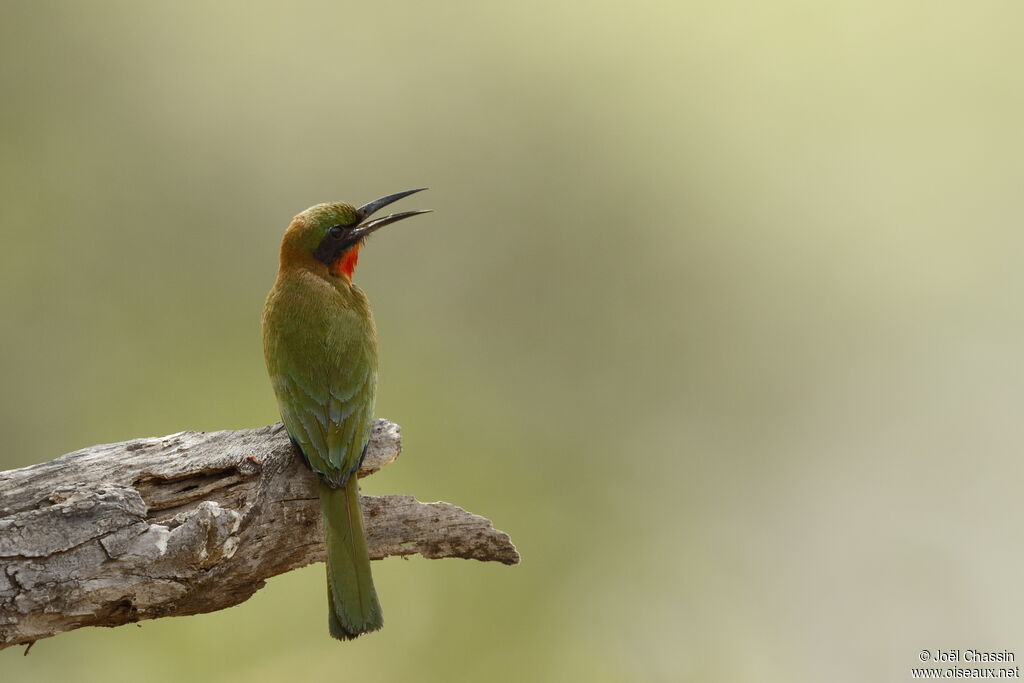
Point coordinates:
[(327, 401)]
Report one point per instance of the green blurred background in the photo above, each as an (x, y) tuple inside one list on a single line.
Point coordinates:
[(719, 315)]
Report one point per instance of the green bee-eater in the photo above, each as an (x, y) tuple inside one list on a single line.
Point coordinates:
[(320, 345)]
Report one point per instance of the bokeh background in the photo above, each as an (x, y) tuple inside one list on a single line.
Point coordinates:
[(719, 315)]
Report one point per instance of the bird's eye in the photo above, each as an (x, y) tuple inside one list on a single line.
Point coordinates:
[(336, 232)]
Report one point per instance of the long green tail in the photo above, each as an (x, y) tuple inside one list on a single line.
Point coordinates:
[(353, 605)]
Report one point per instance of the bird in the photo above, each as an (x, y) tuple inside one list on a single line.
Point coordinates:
[(320, 347)]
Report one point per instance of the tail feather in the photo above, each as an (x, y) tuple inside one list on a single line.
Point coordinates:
[(352, 600)]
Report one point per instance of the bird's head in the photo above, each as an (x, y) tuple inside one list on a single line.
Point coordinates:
[(330, 235)]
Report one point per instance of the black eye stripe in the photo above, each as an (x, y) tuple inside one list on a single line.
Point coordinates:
[(335, 242)]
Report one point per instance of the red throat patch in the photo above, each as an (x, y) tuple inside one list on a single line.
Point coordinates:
[(346, 263)]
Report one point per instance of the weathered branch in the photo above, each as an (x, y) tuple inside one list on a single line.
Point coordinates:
[(190, 523)]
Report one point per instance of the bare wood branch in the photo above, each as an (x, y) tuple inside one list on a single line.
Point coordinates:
[(189, 523)]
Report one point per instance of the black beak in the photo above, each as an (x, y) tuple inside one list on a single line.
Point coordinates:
[(367, 210)]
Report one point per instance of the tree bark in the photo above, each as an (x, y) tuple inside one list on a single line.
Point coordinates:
[(189, 523)]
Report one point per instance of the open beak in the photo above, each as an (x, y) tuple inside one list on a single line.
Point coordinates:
[(367, 210)]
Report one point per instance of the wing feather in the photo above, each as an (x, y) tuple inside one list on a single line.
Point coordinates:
[(332, 427)]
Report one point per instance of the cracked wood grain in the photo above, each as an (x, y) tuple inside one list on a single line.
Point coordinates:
[(189, 523)]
